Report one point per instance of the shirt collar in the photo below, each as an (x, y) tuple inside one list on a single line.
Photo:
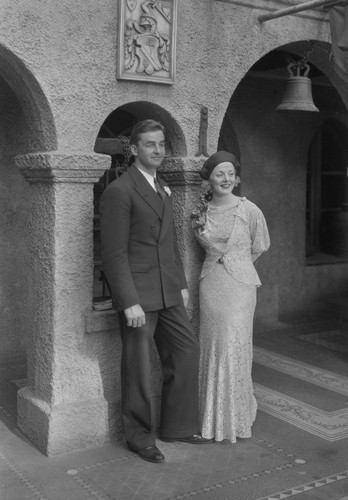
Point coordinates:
[(149, 178)]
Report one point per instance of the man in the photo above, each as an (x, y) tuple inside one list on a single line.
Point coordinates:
[(144, 272)]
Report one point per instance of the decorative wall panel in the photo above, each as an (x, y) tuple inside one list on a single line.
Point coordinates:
[(147, 36)]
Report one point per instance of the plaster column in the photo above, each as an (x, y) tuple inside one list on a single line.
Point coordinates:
[(63, 406), (182, 175)]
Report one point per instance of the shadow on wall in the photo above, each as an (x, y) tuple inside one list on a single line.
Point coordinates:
[(26, 126), (273, 148)]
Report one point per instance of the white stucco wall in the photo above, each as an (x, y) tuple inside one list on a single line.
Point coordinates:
[(71, 50)]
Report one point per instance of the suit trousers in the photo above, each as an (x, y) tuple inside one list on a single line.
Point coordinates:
[(178, 350)]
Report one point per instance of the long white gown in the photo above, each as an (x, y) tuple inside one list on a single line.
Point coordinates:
[(227, 304)]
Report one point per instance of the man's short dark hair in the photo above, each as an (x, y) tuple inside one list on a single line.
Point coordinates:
[(143, 127)]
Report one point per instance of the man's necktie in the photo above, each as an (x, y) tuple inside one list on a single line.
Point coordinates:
[(159, 189)]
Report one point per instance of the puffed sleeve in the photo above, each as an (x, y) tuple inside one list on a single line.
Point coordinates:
[(260, 241)]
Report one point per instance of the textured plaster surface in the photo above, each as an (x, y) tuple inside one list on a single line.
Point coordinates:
[(74, 60), (64, 378), (14, 200), (58, 85)]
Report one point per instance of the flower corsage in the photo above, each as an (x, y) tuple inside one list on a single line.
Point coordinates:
[(167, 190), (199, 214)]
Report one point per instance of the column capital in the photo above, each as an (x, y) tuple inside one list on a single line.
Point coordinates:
[(182, 171), (53, 167)]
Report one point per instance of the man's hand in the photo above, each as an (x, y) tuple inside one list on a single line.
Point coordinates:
[(185, 296), (135, 316)]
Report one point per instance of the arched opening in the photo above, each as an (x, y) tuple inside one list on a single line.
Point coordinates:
[(112, 140), (41, 132), (273, 148), (26, 126)]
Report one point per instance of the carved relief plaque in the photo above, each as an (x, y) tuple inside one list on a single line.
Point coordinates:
[(147, 36)]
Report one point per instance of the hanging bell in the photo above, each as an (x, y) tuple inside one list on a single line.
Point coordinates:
[(298, 90)]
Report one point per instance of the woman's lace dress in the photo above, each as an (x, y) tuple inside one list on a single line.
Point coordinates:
[(235, 235)]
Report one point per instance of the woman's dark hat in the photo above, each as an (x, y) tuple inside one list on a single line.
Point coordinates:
[(216, 159)]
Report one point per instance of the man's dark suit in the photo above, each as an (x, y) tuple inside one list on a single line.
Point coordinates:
[(143, 266)]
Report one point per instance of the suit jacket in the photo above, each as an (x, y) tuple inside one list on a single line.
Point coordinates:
[(140, 255)]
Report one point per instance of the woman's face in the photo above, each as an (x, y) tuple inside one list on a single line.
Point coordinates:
[(223, 178)]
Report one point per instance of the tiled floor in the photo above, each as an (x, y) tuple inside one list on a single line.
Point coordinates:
[(299, 448)]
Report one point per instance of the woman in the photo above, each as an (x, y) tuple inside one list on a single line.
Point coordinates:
[(233, 232)]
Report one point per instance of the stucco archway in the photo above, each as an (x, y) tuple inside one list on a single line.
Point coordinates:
[(274, 152), (26, 126), (117, 127), (120, 121), (32, 101)]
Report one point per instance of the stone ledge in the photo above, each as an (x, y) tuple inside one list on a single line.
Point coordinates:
[(63, 167), (182, 171), (101, 321)]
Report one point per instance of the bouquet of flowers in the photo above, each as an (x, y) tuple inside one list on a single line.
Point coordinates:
[(199, 214)]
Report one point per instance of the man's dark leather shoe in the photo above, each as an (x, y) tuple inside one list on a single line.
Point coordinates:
[(151, 454), (194, 439)]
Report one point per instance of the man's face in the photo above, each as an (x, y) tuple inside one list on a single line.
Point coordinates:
[(149, 152)]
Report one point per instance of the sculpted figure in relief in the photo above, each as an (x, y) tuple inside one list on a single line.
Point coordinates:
[(145, 45)]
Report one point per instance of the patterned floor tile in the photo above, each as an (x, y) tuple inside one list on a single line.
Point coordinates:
[(329, 425), (304, 371), (243, 471), (332, 339), (332, 426), (326, 489), (186, 471)]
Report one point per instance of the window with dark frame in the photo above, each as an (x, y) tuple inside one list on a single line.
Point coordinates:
[(326, 193)]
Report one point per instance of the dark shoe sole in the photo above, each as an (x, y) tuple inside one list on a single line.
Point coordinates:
[(151, 454), (154, 461)]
